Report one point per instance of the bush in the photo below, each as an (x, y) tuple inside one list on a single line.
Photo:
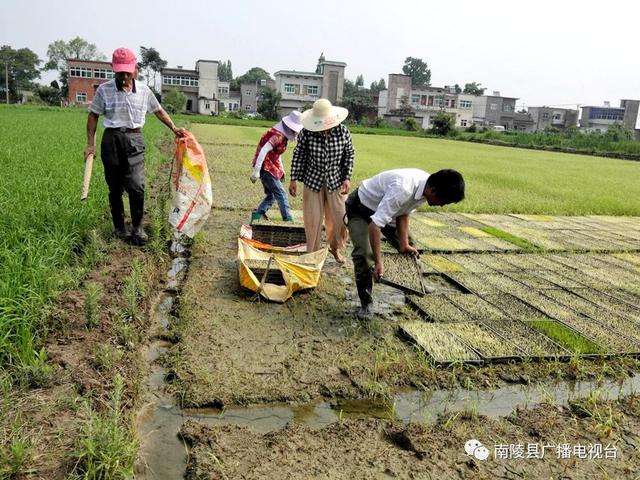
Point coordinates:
[(471, 128), (411, 124), (174, 101), (442, 124)]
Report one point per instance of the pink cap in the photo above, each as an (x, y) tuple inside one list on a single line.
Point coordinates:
[(123, 60)]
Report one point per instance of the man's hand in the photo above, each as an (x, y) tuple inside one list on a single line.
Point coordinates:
[(255, 175), (90, 150), (344, 188), (178, 132), (378, 270), (293, 188), (408, 249)]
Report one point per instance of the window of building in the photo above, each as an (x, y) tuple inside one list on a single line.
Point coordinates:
[(507, 107), (207, 106), (439, 102), (248, 92), (545, 116), (451, 103), (248, 107), (465, 103), (103, 73), (557, 116), (494, 106), (223, 90), (430, 101), (616, 114), (415, 99), (312, 90), (180, 80), (82, 72), (463, 123), (81, 97), (290, 88)]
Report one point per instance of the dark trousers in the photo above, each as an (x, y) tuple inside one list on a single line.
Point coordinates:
[(358, 220), (123, 158)]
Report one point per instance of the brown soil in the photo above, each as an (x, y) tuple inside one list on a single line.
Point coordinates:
[(378, 449), (234, 349)]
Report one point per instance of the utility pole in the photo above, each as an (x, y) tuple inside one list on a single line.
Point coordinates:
[(6, 80)]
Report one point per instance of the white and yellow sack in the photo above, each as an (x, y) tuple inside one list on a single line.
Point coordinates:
[(190, 186), (299, 271)]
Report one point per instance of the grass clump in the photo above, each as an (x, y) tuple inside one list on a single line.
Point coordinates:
[(93, 292), (106, 448), (566, 337), (133, 289), (507, 237)]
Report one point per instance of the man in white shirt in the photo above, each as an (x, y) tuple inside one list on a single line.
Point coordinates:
[(381, 205), (124, 104)]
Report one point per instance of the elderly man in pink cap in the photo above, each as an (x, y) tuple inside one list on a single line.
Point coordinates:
[(124, 104)]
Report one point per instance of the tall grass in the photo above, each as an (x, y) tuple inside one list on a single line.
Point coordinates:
[(44, 228)]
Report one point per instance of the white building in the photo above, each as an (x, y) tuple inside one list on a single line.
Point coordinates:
[(200, 86)]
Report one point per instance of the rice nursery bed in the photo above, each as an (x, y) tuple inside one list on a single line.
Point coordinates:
[(438, 308)]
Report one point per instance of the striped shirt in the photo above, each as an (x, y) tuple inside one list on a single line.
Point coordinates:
[(122, 109)]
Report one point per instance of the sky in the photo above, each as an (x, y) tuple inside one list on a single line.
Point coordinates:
[(545, 52)]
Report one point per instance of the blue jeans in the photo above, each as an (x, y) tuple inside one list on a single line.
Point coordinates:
[(274, 191)]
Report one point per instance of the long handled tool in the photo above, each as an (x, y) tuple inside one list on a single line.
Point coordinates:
[(88, 168)]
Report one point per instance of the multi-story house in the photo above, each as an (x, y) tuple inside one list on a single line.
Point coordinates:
[(492, 110), (229, 99), (600, 118), (200, 86), (84, 77), (301, 88), (402, 98), (552, 117)]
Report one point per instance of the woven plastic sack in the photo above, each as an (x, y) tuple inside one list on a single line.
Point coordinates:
[(190, 186), (300, 271)]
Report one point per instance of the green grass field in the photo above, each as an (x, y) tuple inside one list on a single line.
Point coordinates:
[(44, 228), (499, 179)]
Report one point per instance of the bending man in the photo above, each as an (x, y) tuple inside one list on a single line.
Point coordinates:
[(381, 205)]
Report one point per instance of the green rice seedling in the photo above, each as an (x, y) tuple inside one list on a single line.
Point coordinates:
[(92, 293), (483, 340), (508, 237), (438, 308), (106, 357), (133, 289), (36, 372), (15, 455), (106, 447), (566, 337)]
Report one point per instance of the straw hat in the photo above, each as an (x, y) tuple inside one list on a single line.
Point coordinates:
[(293, 121), (323, 116)]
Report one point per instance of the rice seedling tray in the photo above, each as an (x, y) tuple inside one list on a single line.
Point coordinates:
[(437, 308), (443, 347), (534, 343), (402, 271), (491, 346), (278, 235)]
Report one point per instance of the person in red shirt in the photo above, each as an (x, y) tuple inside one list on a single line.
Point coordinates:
[(268, 167)]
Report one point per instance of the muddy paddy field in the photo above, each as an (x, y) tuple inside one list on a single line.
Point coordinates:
[(526, 343)]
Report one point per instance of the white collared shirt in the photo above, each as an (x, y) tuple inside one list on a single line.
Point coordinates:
[(122, 108), (393, 193)]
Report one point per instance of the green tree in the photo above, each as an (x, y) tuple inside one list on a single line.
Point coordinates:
[(418, 70), (473, 88), (405, 107), (174, 101), (151, 63), (225, 74), (50, 95), (442, 124), (76, 48), (254, 75), (359, 103), (378, 86), (360, 81), (349, 89), (458, 89), (22, 67), (269, 103)]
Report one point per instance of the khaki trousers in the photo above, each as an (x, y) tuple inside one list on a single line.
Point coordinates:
[(329, 206)]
